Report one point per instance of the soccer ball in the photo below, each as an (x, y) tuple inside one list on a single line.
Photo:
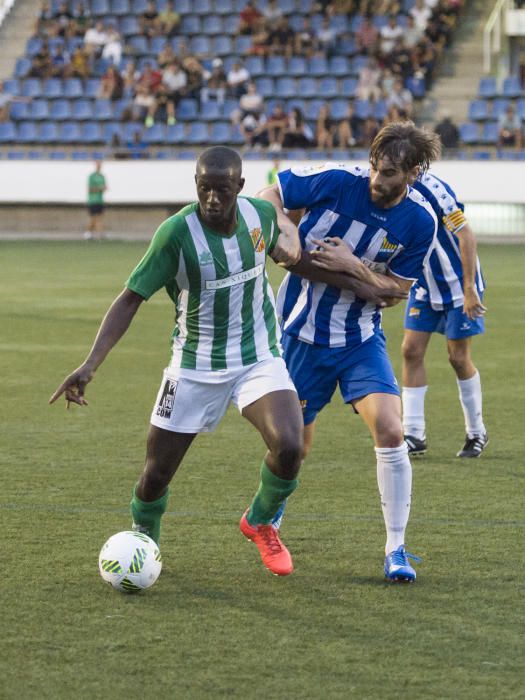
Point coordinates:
[(130, 561)]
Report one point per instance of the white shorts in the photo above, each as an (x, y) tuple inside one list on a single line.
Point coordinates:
[(194, 401)]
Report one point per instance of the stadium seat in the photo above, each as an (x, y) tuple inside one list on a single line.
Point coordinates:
[(498, 107), (187, 109), (358, 63), (190, 24), (296, 103), (197, 133), (380, 110), (265, 86), (346, 46), (212, 25), (69, 132), (312, 108), (255, 66), (276, 66), (139, 45), (129, 130), (129, 25), (157, 43), (202, 7), (39, 110), (138, 6), (416, 86), (223, 7), (60, 110), (110, 129), (478, 110), (307, 87), (12, 86), (520, 108), (488, 88), (338, 109), (33, 46), (242, 44), (91, 132), (511, 87), (48, 133), (120, 7), (318, 65), (355, 23), (220, 133), (339, 66), (57, 155), (22, 67), (81, 155), (236, 138), (348, 87), (18, 111), (339, 22), (27, 132), (100, 7), (328, 87), (73, 88), (229, 107), (82, 110), (102, 110), (490, 133), (32, 87), (285, 88), (92, 87), (155, 134), (468, 132), (297, 66), (222, 46), (210, 112), (175, 134), (363, 109), (8, 132), (52, 88), (200, 45)]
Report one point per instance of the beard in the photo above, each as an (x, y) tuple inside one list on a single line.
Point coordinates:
[(383, 199)]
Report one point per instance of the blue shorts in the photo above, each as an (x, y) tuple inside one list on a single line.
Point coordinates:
[(452, 322), (317, 370)]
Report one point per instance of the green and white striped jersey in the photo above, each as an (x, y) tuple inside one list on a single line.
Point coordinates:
[(225, 305)]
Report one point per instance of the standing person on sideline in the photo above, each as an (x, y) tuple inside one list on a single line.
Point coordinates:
[(210, 257), (447, 298), (271, 175), (96, 187), (374, 226)]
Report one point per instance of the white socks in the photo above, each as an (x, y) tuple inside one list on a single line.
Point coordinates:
[(394, 478), (471, 402), (413, 399)]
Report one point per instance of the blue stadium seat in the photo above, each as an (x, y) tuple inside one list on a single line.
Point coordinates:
[(242, 44), (348, 87), (297, 66), (202, 7), (200, 45), (27, 132), (12, 86), (8, 132), (22, 67), (91, 132), (32, 87), (380, 110), (155, 134), (19, 111), (129, 25), (118, 108), (488, 88), (103, 110), (69, 132), (230, 105), (489, 134), (520, 108), (236, 138), (187, 110), (498, 107), (363, 109), (52, 88), (39, 110), (81, 155), (285, 88), (478, 110), (221, 46), (109, 129), (276, 66), (312, 108), (328, 87), (346, 46), (339, 66), (100, 7), (380, 21), (296, 22), (60, 110), (265, 86), (129, 131), (190, 24), (416, 86), (73, 88), (339, 22), (138, 6), (48, 133), (33, 46), (157, 43), (57, 155), (120, 7), (296, 103), (318, 65), (212, 25), (139, 44), (255, 65), (338, 109), (210, 112), (511, 87), (175, 134), (307, 87), (91, 88), (355, 23), (82, 110), (468, 132), (358, 63), (197, 133), (224, 7)]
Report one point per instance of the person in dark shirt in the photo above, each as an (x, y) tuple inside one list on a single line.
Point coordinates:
[(447, 131)]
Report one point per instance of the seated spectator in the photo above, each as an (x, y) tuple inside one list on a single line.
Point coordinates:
[(95, 39), (421, 14), (237, 79), (369, 131), (80, 63), (305, 39), (253, 131), (260, 43), (272, 13), (5, 101), (400, 59), (387, 81), (130, 77), (215, 87), (348, 129), (251, 103), (275, 126), (151, 77), (297, 133), (367, 36), (389, 34), (401, 98), (61, 63), (168, 93), (412, 33), (142, 106), (394, 114), (62, 19), (44, 20), (325, 128), (169, 20), (196, 76), (149, 20), (326, 37), (368, 85), (166, 55), (42, 63), (510, 126), (448, 132), (81, 20), (250, 19), (282, 38), (111, 85), (112, 50)]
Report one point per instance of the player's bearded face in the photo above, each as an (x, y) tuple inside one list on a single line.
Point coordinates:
[(388, 183), (217, 195)]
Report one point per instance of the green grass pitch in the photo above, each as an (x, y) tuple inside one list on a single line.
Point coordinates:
[(217, 624)]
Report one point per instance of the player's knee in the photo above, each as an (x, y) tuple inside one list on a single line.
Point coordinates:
[(389, 435), (412, 352), (459, 359), (288, 452)]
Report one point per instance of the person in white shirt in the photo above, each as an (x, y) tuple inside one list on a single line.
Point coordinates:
[(421, 14), (237, 78), (95, 38), (390, 33)]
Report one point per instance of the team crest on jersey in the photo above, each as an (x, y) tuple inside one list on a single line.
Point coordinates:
[(205, 258), (413, 311), (257, 239), (387, 246)]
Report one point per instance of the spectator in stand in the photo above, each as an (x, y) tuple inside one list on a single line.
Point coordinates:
[(421, 14), (112, 50), (367, 36), (326, 37), (151, 77), (142, 106), (510, 128), (251, 103), (216, 84), (297, 133), (448, 132), (165, 56), (276, 123), (237, 79), (272, 13), (168, 93), (325, 128), (149, 20), (130, 77), (394, 114), (169, 20), (387, 81), (196, 76), (401, 98), (81, 20), (348, 129), (282, 38), (251, 19), (400, 59), (305, 39), (44, 20), (434, 32), (60, 63), (95, 39), (42, 63), (369, 131), (253, 131), (412, 33), (111, 85), (368, 85), (80, 63), (62, 19), (390, 33), (6, 99)]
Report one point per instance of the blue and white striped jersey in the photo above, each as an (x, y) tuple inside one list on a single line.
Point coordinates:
[(442, 277), (338, 203)]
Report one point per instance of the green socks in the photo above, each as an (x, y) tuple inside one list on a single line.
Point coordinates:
[(146, 515), (271, 493)]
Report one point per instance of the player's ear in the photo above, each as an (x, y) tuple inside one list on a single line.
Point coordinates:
[(413, 174), (241, 184)]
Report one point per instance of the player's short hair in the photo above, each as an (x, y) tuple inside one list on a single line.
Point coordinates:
[(219, 158), (406, 145)]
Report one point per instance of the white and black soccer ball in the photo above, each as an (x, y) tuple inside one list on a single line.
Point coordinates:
[(130, 561)]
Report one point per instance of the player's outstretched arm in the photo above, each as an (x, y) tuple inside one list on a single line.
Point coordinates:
[(472, 305), (113, 326), (287, 250)]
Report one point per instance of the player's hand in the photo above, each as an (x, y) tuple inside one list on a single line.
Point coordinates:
[(73, 386), (287, 250), (472, 306), (333, 254)]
